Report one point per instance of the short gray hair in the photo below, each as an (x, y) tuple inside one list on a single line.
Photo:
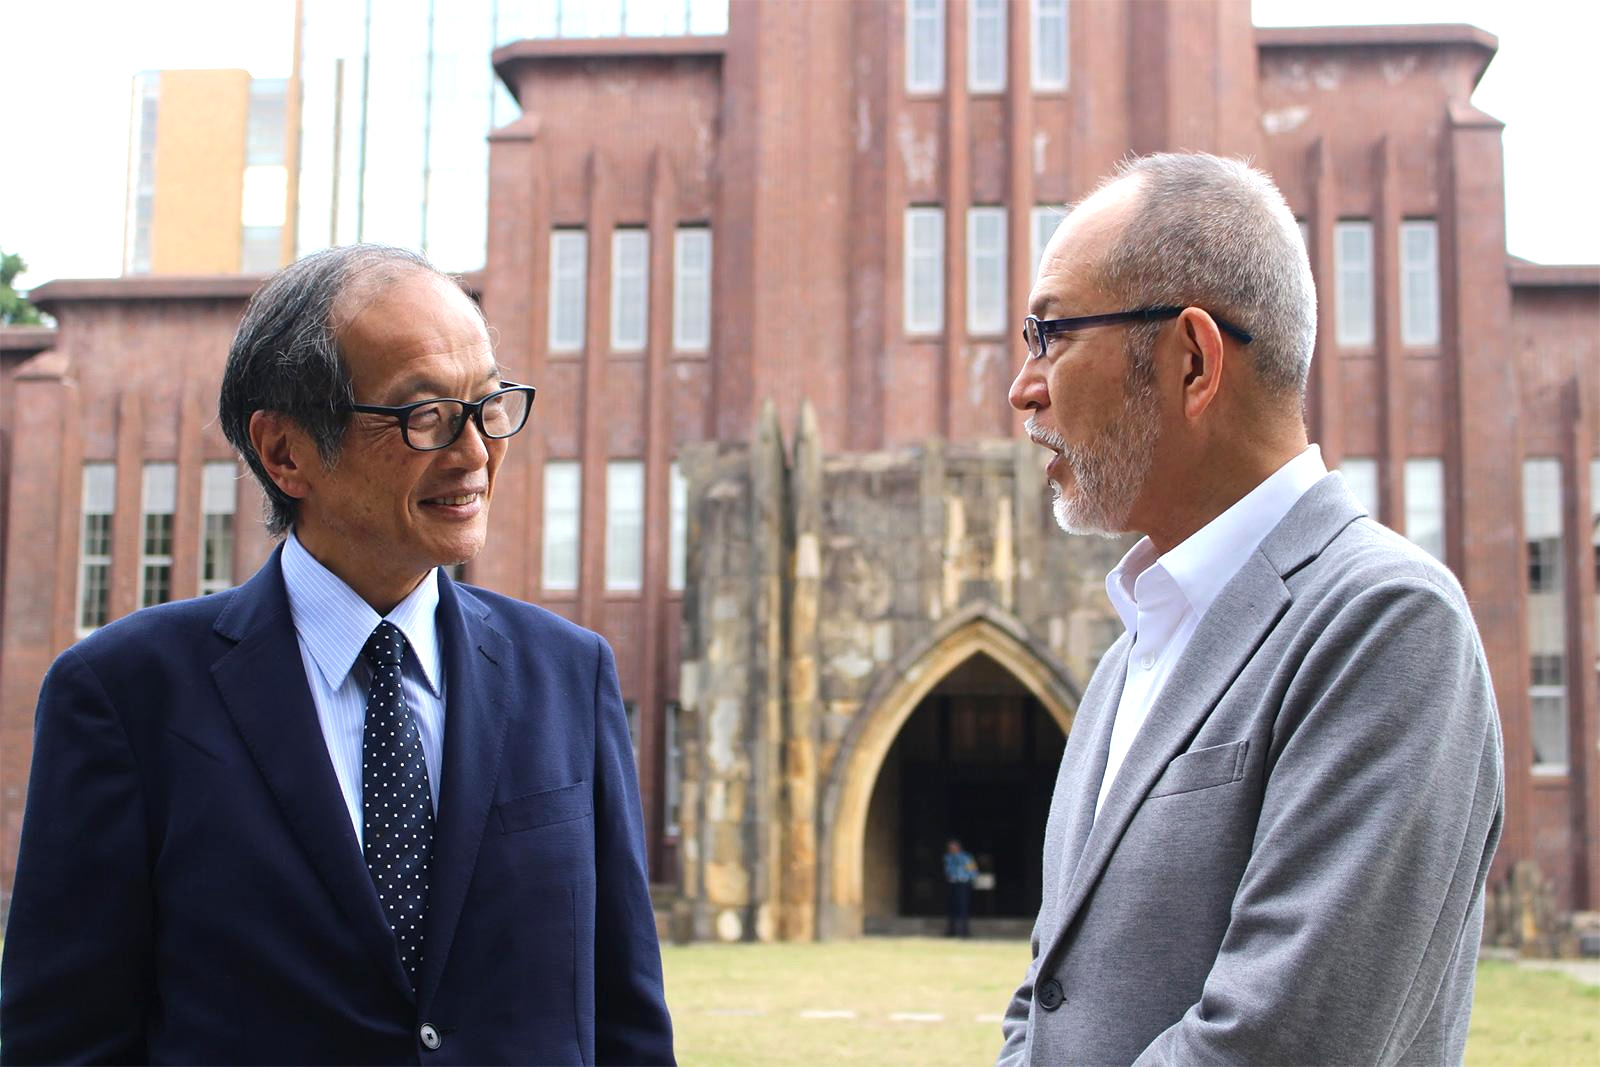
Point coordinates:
[(1216, 233), (285, 356)]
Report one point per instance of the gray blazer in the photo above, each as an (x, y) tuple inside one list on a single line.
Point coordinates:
[(1289, 867)]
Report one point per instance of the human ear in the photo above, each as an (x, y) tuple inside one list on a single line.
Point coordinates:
[(285, 451), (1204, 356)]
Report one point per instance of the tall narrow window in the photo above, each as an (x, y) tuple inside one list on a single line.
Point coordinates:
[(678, 528), (624, 524), (155, 558), (563, 497), (569, 260), (924, 270), (672, 770), (1044, 222), (1360, 473), (986, 270), (1352, 244), (94, 545), (1594, 520), (691, 287), (986, 46), (218, 501), (1419, 282), (924, 46), (1547, 629), (630, 289), (1049, 44), (1425, 505)]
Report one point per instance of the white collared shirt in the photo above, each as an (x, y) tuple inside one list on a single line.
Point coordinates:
[(1162, 599), (333, 623)]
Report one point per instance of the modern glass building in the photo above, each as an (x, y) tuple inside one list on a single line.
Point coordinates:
[(399, 97)]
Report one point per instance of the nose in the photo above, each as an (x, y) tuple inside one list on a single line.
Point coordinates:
[(470, 450), (1028, 390)]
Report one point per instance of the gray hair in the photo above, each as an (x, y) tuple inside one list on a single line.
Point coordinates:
[(285, 355), (1216, 233)]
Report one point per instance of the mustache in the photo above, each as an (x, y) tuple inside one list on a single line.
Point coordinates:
[(1042, 436)]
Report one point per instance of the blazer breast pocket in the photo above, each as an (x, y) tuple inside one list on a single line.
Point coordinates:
[(1202, 769), (546, 807)]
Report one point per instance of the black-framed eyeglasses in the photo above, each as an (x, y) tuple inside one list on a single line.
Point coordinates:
[(429, 425), (1036, 332)]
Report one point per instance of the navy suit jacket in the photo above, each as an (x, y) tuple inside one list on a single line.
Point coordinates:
[(189, 887)]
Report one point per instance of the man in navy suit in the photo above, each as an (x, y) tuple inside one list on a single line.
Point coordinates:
[(350, 811)]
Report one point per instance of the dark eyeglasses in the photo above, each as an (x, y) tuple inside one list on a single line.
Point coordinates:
[(1036, 332), (429, 425)]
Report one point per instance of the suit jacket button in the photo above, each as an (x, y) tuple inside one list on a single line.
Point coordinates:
[(430, 1037), (1050, 995)]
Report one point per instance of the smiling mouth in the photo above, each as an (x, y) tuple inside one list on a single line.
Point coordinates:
[(459, 500)]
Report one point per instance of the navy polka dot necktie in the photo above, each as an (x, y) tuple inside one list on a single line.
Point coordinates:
[(396, 805)]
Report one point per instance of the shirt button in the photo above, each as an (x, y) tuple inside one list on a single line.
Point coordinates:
[(429, 1036), (1148, 662)]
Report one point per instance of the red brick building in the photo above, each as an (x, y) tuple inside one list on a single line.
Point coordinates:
[(836, 209)]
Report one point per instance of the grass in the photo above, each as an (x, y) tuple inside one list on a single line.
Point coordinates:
[(1532, 1017), (742, 1004)]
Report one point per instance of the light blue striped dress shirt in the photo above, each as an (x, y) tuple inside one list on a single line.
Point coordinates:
[(332, 624)]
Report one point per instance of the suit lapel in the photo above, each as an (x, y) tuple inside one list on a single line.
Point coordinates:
[(1238, 621), (1083, 764), (477, 711), (263, 687)]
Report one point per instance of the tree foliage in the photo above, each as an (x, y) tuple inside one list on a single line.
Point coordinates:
[(14, 309)]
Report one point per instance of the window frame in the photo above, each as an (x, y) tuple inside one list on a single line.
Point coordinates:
[(618, 526), (630, 288), (571, 512), (1345, 272), (573, 275), (986, 321), (923, 314), (1424, 272), (1039, 17), (994, 11), (932, 14)]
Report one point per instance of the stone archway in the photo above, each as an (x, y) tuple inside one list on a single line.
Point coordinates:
[(890, 702)]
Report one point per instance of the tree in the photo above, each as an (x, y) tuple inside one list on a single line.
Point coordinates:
[(14, 310)]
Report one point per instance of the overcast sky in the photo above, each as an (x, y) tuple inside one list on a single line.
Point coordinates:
[(68, 64)]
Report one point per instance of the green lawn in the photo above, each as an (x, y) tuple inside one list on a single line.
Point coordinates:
[(744, 1004), (1532, 1017)]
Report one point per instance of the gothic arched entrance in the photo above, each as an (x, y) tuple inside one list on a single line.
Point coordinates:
[(1006, 672), (976, 761)]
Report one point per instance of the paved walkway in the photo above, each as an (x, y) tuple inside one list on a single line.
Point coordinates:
[(1585, 971)]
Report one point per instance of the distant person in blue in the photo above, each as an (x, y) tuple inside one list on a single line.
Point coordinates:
[(959, 871)]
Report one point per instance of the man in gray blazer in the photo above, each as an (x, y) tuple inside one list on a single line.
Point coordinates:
[(1276, 810)]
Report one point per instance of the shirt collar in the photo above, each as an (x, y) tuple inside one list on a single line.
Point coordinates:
[(1209, 558), (335, 622)]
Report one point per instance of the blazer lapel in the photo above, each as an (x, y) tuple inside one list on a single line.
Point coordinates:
[(477, 711), (1083, 764), (263, 687), (1238, 621)]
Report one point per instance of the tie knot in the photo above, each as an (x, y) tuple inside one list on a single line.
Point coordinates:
[(386, 647)]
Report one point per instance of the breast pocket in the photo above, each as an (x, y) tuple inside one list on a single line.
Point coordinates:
[(1202, 769), (545, 808)]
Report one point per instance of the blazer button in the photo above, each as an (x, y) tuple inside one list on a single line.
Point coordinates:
[(1050, 995), (430, 1037)]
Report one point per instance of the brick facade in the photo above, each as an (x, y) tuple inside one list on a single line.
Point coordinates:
[(795, 140)]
